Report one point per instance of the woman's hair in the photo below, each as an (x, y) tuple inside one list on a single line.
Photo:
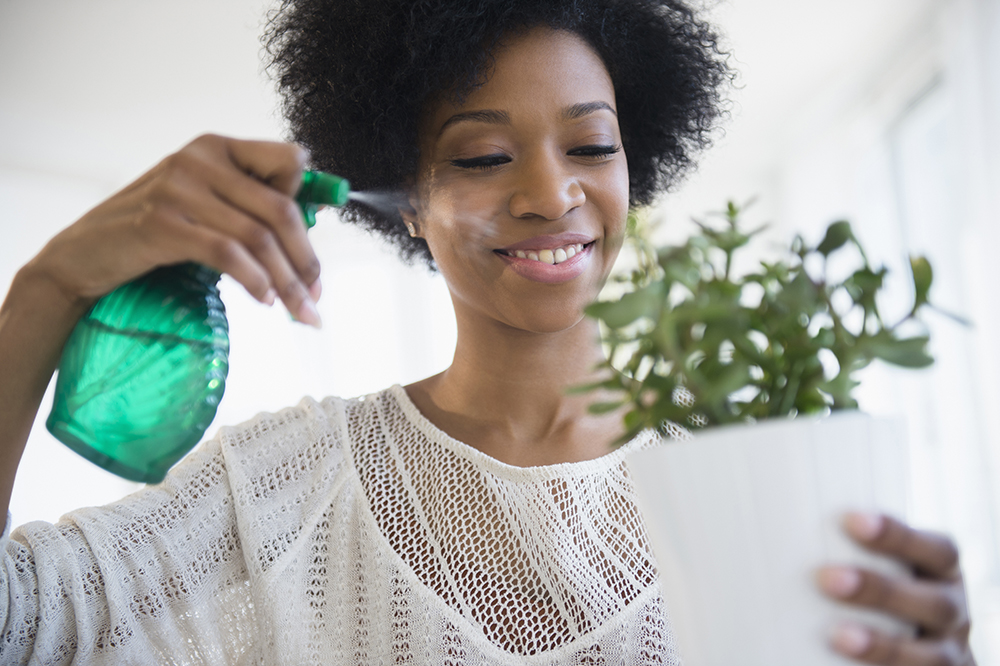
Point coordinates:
[(355, 76)]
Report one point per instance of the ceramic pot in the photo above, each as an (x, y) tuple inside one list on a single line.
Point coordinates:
[(740, 517)]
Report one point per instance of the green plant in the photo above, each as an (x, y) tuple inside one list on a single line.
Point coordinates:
[(694, 344)]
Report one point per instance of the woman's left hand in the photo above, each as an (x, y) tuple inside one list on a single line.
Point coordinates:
[(934, 600)]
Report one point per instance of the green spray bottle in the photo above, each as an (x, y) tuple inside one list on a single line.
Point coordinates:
[(142, 374)]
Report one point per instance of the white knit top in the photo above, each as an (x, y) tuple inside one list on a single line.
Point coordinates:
[(343, 532)]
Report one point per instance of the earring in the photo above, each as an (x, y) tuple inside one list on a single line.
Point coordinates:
[(412, 229)]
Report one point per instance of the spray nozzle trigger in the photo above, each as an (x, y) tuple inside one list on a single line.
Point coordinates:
[(319, 188)]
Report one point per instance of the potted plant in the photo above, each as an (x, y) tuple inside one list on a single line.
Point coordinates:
[(741, 500)]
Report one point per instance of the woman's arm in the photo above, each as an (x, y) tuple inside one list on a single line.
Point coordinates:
[(934, 600), (220, 202)]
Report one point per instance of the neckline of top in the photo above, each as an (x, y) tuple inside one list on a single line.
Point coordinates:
[(502, 469)]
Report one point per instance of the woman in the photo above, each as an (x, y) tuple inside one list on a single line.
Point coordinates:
[(477, 516)]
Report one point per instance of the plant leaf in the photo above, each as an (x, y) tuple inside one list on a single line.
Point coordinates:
[(923, 275), (906, 353), (837, 234), (604, 407), (643, 302)]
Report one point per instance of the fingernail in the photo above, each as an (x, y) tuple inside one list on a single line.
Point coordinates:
[(864, 526), (269, 297), (840, 582), (308, 314), (316, 290), (851, 639)]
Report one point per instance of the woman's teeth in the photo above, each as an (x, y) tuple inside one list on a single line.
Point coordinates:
[(556, 256)]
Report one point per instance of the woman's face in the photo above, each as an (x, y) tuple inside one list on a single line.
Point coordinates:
[(522, 189)]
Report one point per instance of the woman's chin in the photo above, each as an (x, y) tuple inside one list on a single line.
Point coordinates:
[(548, 322)]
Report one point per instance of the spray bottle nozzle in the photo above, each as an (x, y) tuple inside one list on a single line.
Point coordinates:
[(319, 188)]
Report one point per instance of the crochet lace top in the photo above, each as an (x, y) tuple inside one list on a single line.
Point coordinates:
[(344, 532)]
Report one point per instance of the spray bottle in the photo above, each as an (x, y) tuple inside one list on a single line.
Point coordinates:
[(142, 374)]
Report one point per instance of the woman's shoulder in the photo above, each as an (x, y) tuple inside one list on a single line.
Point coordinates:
[(313, 428)]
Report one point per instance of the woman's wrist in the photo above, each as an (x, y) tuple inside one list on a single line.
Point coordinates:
[(36, 318), (36, 292)]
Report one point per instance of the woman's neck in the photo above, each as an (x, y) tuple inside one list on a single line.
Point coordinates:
[(506, 394)]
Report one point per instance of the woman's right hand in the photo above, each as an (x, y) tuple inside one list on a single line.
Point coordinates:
[(221, 202), (224, 203)]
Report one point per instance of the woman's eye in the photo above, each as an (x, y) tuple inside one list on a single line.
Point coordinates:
[(596, 151), (483, 163)]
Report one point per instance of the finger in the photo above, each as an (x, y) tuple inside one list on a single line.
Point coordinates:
[(280, 165), (183, 241), (934, 555), (263, 244), (316, 289), (935, 607), (873, 647), (267, 174), (279, 213), (211, 192)]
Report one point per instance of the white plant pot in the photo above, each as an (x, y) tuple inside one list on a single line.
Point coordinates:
[(741, 517)]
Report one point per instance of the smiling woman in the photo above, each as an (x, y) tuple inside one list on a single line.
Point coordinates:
[(479, 516), (537, 168)]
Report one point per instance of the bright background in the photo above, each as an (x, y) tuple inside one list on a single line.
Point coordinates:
[(881, 111)]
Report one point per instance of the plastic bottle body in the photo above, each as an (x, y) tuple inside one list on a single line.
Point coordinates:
[(142, 374)]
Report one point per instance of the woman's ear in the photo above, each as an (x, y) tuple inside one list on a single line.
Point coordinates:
[(409, 215), (408, 212)]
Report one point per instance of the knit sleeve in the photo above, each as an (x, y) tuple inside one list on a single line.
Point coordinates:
[(166, 574)]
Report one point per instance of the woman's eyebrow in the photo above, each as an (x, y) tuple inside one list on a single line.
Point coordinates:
[(495, 117), (490, 116), (586, 108)]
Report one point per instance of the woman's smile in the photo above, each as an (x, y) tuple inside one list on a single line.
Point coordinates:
[(549, 259)]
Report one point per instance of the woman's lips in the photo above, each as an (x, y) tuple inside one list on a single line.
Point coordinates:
[(548, 242), (534, 264)]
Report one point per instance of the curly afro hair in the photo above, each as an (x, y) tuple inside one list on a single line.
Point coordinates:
[(355, 76)]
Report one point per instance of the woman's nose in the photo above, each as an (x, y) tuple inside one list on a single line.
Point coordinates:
[(545, 188)]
